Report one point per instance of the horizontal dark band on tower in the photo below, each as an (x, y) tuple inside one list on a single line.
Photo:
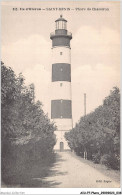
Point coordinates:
[(61, 109), (61, 40), (61, 72), (61, 32)]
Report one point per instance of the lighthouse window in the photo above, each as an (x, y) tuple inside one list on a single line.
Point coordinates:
[(61, 53), (61, 84)]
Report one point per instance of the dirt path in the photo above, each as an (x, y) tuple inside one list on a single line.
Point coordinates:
[(70, 172)]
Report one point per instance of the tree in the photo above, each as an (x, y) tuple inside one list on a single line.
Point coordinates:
[(99, 131), (25, 126)]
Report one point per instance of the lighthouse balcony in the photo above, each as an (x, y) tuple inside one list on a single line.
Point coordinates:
[(61, 32)]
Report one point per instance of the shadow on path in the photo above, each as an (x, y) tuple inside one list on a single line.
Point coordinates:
[(52, 171), (33, 174)]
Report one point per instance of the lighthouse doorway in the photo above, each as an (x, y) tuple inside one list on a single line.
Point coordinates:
[(61, 146)]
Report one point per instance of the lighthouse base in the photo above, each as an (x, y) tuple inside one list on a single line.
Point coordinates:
[(61, 143)]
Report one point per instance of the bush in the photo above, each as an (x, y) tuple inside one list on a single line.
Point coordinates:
[(111, 161), (105, 159), (25, 162), (96, 158)]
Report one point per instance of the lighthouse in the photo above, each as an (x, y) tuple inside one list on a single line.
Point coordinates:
[(61, 97)]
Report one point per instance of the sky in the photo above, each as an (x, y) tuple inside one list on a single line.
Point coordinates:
[(95, 48)]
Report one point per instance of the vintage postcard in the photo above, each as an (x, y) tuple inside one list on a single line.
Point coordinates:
[(60, 97)]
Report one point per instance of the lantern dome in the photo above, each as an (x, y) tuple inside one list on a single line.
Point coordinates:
[(61, 19)]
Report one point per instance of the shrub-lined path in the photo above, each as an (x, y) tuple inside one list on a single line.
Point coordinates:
[(70, 171)]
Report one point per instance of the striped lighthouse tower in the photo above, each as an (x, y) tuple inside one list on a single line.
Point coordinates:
[(61, 103)]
